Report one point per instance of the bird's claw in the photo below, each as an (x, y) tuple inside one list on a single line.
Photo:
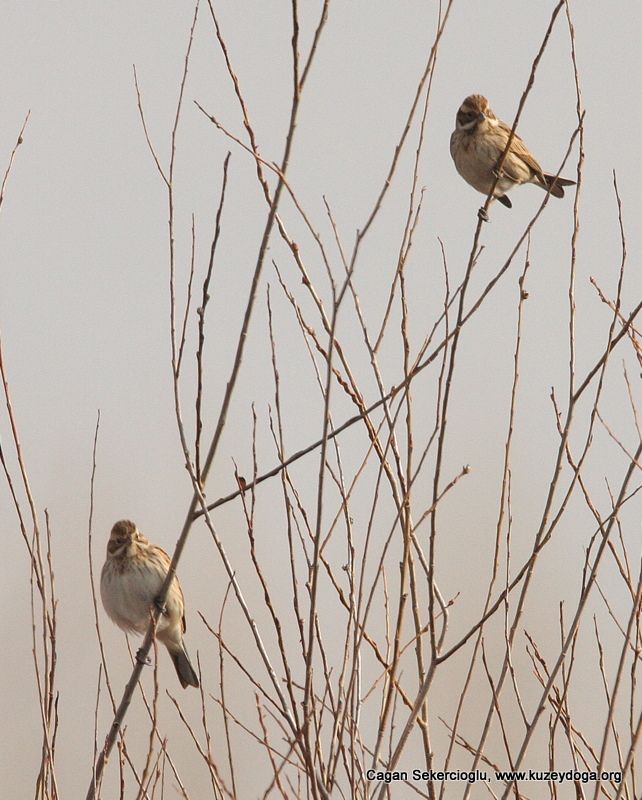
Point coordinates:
[(144, 660), (160, 606), (483, 215)]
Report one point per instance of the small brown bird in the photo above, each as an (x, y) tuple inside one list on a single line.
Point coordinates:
[(476, 146), (130, 583)]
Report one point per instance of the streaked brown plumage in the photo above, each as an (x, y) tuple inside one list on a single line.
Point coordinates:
[(476, 146), (130, 582)]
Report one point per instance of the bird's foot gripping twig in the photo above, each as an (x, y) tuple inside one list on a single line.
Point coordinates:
[(483, 215), (144, 660), (161, 606)]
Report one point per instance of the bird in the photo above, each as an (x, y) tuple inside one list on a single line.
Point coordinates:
[(476, 147), (130, 583)]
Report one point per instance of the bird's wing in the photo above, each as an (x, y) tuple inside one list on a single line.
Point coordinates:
[(519, 150), (183, 621), (176, 585)]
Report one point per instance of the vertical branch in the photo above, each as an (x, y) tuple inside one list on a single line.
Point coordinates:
[(201, 324), (42, 596)]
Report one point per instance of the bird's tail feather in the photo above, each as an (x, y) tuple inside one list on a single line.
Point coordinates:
[(184, 669), (556, 184)]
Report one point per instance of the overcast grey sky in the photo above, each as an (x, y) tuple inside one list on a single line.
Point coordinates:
[(84, 283)]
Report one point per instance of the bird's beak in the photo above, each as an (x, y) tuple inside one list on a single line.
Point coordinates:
[(481, 116)]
